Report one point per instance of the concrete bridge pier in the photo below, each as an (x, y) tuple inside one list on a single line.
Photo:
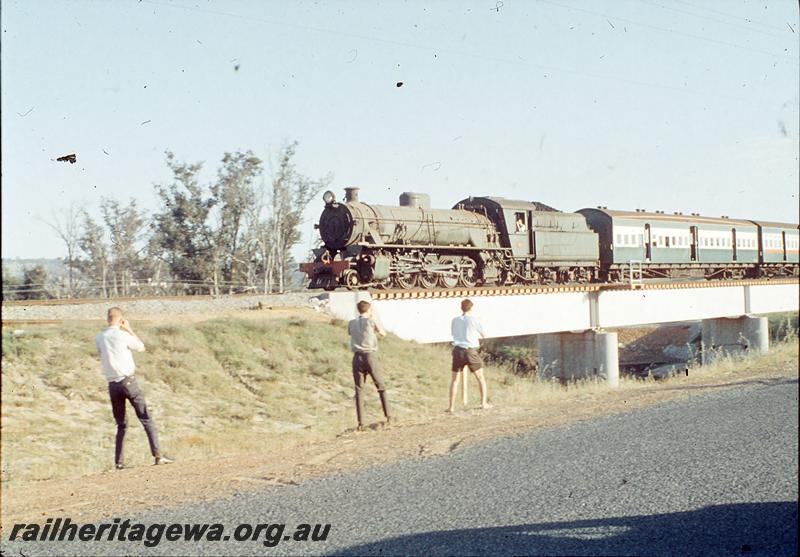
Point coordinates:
[(570, 356), (726, 336)]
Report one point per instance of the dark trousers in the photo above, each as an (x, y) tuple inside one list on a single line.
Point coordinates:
[(124, 390), (366, 363)]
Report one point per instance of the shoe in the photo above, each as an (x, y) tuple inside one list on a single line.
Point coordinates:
[(163, 460), (119, 466)]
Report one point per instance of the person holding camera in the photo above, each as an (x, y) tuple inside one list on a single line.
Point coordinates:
[(114, 345), (363, 332)]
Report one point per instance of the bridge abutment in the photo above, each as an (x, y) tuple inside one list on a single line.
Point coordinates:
[(724, 337), (570, 356)]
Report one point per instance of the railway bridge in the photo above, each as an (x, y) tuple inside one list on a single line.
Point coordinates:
[(576, 324)]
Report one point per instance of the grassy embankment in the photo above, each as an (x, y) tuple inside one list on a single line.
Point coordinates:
[(229, 386)]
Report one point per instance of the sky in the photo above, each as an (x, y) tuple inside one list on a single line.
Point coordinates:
[(673, 105)]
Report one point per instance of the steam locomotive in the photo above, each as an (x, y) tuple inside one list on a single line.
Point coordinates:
[(496, 241)]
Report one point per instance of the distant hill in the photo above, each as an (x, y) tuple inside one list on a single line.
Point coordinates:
[(17, 266)]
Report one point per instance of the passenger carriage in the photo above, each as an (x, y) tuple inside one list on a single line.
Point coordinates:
[(671, 246)]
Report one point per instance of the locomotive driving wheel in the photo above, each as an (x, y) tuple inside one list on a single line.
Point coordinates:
[(448, 280), (406, 281), (468, 275), (428, 280)]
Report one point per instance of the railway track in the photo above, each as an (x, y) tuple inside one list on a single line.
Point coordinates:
[(524, 290), (388, 294)]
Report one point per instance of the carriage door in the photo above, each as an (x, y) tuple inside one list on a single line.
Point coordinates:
[(733, 242), (783, 241), (647, 244), (693, 234)]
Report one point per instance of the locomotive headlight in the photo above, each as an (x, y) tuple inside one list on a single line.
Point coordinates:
[(329, 197)]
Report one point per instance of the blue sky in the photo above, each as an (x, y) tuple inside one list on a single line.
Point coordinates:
[(676, 105)]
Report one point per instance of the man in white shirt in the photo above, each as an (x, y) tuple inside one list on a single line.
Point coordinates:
[(467, 332), (114, 346)]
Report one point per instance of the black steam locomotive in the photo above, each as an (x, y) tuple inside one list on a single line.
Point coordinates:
[(496, 241)]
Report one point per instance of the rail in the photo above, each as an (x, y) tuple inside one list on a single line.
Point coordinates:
[(427, 293)]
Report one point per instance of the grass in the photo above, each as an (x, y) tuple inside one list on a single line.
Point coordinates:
[(234, 385)]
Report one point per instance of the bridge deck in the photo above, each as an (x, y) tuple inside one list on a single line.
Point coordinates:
[(425, 315)]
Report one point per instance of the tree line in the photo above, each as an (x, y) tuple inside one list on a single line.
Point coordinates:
[(234, 234)]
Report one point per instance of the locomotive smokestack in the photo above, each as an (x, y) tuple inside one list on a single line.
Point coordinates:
[(351, 195)]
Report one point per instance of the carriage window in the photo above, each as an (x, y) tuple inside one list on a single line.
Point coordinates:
[(627, 239), (641, 239)]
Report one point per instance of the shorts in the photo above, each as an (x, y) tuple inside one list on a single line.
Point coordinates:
[(466, 357)]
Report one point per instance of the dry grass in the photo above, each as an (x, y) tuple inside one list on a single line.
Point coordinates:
[(239, 385)]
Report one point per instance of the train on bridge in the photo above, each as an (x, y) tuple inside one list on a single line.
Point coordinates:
[(496, 241)]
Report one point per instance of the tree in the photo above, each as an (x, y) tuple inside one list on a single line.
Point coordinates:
[(180, 231), (66, 225), (291, 194), (12, 285), (96, 260), (125, 225), (34, 283), (233, 233), (234, 197)]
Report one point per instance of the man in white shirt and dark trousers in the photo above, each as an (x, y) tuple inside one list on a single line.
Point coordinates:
[(467, 332), (114, 346)]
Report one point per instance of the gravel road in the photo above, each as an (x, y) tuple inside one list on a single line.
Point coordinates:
[(713, 474)]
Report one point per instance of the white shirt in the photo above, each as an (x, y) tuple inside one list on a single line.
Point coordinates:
[(466, 331), (114, 346)]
